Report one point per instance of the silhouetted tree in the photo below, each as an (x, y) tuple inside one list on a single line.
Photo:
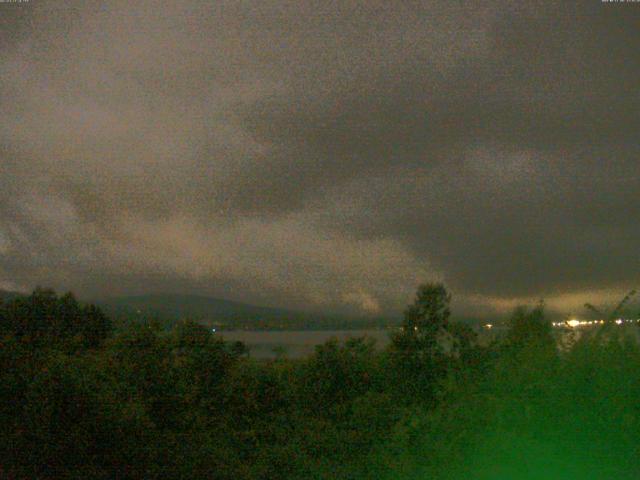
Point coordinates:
[(418, 348), (529, 328), (425, 321), (613, 312), (43, 319)]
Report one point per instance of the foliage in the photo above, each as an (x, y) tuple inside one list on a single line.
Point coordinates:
[(82, 400), (44, 319), (613, 312), (417, 350)]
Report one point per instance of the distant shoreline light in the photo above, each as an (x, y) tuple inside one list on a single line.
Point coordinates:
[(574, 323)]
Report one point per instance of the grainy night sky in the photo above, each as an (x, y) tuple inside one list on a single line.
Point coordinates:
[(322, 155)]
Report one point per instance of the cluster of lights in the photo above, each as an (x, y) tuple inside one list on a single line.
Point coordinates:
[(573, 323)]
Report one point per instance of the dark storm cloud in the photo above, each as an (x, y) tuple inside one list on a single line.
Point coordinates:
[(321, 154)]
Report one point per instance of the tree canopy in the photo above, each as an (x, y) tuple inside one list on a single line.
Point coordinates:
[(82, 398)]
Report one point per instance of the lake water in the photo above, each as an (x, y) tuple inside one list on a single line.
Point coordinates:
[(300, 343), (295, 344)]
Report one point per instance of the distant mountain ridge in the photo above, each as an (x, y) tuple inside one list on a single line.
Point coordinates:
[(195, 307), (8, 295), (226, 313)]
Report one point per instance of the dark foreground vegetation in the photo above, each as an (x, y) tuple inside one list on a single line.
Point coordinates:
[(82, 398)]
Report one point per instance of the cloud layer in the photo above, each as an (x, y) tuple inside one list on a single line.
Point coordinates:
[(321, 154)]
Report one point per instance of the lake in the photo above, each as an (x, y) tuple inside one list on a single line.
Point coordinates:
[(297, 343), (300, 343)]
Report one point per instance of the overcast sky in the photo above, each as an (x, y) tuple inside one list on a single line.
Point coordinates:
[(319, 154)]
